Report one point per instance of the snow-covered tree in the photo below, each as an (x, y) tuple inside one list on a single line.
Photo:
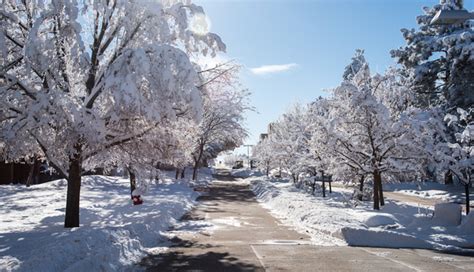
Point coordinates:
[(357, 63), (366, 136), (438, 59), (221, 128), (262, 153), (459, 154), (80, 78), (289, 140)]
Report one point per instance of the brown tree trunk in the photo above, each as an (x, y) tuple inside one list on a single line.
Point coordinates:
[(197, 160), (448, 177), (73, 192), (196, 165), (133, 182), (376, 175), (361, 187), (381, 198)]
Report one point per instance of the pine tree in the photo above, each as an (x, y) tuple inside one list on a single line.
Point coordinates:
[(438, 59)]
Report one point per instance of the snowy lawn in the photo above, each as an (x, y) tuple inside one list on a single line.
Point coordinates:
[(429, 190), (113, 235), (335, 220)]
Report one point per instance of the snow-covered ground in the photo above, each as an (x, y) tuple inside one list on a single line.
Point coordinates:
[(113, 235), (429, 190), (335, 220)]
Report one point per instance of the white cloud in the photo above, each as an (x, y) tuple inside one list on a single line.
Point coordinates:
[(270, 69)]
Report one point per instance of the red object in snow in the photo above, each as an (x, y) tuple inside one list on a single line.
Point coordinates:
[(137, 200)]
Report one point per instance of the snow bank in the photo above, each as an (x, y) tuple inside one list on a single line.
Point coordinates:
[(321, 219), (113, 235), (333, 221), (245, 173), (382, 238)]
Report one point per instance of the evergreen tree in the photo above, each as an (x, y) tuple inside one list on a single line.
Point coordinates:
[(438, 60)]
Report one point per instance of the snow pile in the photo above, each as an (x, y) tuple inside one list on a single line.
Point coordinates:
[(381, 220), (113, 235), (245, 173), (321, 218), (333, 221)]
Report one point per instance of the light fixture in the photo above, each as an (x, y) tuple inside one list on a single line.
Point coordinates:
[(451, 17)]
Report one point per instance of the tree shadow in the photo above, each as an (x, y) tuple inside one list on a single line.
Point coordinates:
[(209, 261)]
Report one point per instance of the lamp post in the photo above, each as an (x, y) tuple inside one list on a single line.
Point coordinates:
[(452, 17)]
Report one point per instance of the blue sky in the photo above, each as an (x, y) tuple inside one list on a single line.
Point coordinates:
[(316, 38)]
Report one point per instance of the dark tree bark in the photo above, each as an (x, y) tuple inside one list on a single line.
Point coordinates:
[(177, 174), (377, 177), (361, 187), (448, 177), (73, 192), (197, 161), (133, 181), (183, 172), (381, 198), (293, 177)]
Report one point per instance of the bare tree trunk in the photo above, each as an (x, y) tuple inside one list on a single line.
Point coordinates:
[(448, 177), (293, 177), (183, 172), (73, 192), (177, 174), (376, 175), (268, 170), (324, 183), (196, 161), (381, 198), (133, 181), (361, 187), (196, 165)]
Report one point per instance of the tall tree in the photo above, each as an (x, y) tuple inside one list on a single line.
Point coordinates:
[(221, 128), (438, 60), (77, 79)]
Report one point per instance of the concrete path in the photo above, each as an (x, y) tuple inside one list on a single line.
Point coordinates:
[(245, 237)]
